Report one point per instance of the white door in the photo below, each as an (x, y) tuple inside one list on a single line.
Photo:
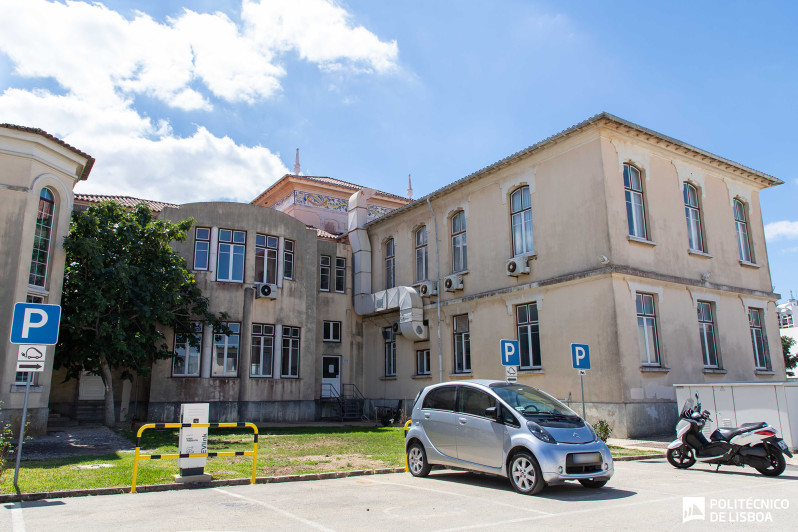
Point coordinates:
[(330, 376), (91, 387)]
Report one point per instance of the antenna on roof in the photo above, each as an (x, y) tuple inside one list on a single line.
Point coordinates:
[(409, 188), (296, 164)]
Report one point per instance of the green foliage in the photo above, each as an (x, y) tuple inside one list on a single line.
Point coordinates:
[(790, 361), (6, 445), (603, 429), (122, 283)]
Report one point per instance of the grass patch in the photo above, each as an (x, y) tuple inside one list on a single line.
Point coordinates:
[(624, 451), (281, 451)]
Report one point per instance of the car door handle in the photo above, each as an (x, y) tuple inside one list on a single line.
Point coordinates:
[(426, 415), (462, 420)]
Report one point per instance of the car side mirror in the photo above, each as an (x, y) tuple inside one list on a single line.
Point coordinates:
[(492, 412)]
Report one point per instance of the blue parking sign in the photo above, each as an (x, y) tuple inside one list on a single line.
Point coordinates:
[(580, 356), (35, 323), (510, 353)]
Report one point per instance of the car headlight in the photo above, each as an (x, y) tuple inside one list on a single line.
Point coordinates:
[(539, 432), (592, 432)]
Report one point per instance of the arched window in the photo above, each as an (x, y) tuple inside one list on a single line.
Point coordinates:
[(693, 214), (635, 209), (521, 218), (459, 247), (41, 239), (421, 254), (390, 269), (743, 237)]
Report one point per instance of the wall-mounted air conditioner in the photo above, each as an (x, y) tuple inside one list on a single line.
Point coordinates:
[(269, 291), (453, 282), (428, 288), (516, 266)]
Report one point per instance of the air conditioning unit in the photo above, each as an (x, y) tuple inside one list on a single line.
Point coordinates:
[(453, 282), (428, 288), (516, 266), (269, 291)]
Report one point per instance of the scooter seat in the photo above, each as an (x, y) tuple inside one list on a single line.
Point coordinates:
[(726, 434)]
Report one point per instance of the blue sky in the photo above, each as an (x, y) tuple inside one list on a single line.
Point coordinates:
[(201, 100)]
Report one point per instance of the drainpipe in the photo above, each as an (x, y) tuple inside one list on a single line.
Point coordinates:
[(438, 285)]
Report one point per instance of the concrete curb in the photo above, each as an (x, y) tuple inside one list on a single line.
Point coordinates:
[(638, 457), (23, 497)]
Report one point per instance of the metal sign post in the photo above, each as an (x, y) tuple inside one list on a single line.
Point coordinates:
[(582, 374)]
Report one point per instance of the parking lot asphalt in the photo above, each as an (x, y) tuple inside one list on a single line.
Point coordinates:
[(645, 494)]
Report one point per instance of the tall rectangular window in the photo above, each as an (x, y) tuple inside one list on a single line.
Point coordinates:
[(288, 259), (528, 335), (262, 359), (232, 245), (521, 219), (421, 254), (289, 364), (462, 344), (202, 247), (422, 362), (340, 275), (647, 330), (390, 351), (743, 236), (332, 331), (266, 259), (635, 209), (758, 339), (459, 244), (706, 331), (41, 239), (692, 212), (324, 273), (186, 362), (390, 269), (225, 360)]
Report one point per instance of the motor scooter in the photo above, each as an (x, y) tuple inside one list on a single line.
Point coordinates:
[(753, 444)]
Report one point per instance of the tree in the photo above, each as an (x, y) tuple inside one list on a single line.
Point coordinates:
[(122, 284), (790, 361)]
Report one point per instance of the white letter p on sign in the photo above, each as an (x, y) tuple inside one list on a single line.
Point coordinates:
[(509, 351), (580, 354), (27, 322)]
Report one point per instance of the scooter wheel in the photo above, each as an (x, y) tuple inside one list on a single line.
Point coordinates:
[(681, 457), (777, 463)]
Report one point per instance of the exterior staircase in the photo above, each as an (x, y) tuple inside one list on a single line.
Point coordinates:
[(57, 422), (346, 405), (88, 412)]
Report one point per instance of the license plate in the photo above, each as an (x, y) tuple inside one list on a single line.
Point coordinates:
[(587, 458), (782, 445)]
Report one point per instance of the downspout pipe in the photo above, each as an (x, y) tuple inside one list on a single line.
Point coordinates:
[(438, 286)]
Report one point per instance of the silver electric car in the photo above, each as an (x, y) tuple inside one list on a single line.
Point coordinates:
[(507, 429)]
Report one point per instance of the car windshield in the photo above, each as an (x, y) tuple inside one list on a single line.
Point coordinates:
[(533, 403)]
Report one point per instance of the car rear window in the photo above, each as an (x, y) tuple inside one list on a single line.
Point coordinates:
[(440, 398)]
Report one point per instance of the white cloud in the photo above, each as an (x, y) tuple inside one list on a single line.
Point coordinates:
[(101, 61), (782, 229)]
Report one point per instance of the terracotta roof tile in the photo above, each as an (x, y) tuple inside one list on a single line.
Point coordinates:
[(125, 201), (36, 131)]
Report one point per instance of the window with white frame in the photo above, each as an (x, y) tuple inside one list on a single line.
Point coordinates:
[(324, 273), (289, 365), (785, 320), (232, 245), (459, 244), (262, 359), (340, 275), (421, 254), (202, 247), (528, 335), (647, 342), (758, 339), (706, 332), (266, 258), (225, 360), (186, 361), (635, 208), (521, 218), (41, 239), (21, 378), (332, 331), (692, 212), (422, 362), (288, 260), (390, 265), (390, 351), (743, 236), (462, 344)]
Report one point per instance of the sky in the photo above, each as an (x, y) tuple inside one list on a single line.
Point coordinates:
[(201, 100)]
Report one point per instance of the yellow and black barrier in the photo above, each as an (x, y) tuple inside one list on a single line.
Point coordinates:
[(253, 453), (407, 427)]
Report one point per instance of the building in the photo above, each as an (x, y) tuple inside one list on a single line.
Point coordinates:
[(788, 326), (37, 175)]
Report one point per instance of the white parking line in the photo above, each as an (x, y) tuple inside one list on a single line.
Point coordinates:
[(17, 520), (275, 509)]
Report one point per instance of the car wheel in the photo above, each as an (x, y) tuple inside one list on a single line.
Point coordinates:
[(591, 483), (681, 457), (777, 463), (525, 475), (417, 460)]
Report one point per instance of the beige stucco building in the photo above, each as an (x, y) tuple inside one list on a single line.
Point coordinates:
[(37, 175)]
